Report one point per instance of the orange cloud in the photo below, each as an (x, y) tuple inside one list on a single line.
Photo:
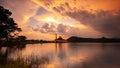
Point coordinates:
[(21, 10), (75, 5)]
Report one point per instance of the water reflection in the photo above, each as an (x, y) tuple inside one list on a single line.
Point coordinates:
[(65, 55)]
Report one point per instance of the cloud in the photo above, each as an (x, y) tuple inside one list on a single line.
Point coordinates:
[(56, 16), (62, 7), (73, 5), (42, 11), (58, 5), (46, 2), (22, 10), (106, 22), (102, 18), (45, 28), (64, 30)]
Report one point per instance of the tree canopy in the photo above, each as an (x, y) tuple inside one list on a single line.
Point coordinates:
[(21, 38), (8, 27)]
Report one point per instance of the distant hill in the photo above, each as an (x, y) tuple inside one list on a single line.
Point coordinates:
[(103, 39)]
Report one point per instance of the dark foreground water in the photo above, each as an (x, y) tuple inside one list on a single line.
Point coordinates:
[(66, 55)]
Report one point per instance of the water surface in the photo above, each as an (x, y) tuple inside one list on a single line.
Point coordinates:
[(67, 55)]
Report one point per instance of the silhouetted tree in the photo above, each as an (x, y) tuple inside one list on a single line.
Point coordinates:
[(8, 27), (21, 38)]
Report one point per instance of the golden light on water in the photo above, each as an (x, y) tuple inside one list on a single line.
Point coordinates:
[(50, 66)]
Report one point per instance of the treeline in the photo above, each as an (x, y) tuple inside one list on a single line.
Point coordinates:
[(38, 41), (103, 39)]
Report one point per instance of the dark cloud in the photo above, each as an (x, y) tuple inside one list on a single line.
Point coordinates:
[(67, 5), (106, 22), (60, 29), (21, 9), (32, 22), (42, 11), (40, 26), (47, 3), (45, 28), (62, 7), (56, 9), (59, 9)]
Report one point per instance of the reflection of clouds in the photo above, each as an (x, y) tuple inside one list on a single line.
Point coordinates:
[(72, 55), (62, 56), (82, 52), (109, 58), (39, 50), (3, 50)]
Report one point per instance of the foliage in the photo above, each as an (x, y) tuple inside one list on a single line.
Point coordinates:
[(14, 64), (21, 38), (8, 27)]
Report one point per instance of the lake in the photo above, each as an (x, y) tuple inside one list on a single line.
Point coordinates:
[(66, 55)]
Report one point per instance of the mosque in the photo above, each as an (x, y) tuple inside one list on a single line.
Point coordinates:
[(59, 39)]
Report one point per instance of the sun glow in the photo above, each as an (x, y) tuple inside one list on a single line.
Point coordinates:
[(50, 19), (81, 26)]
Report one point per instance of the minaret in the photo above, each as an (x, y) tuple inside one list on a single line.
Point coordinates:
[(55, 37)]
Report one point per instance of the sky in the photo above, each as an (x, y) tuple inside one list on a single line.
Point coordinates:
[(42, 19)]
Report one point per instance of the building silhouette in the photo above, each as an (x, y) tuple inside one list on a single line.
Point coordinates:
[(59, 39)]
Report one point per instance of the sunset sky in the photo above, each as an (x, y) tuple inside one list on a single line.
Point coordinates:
[(42, 19)]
